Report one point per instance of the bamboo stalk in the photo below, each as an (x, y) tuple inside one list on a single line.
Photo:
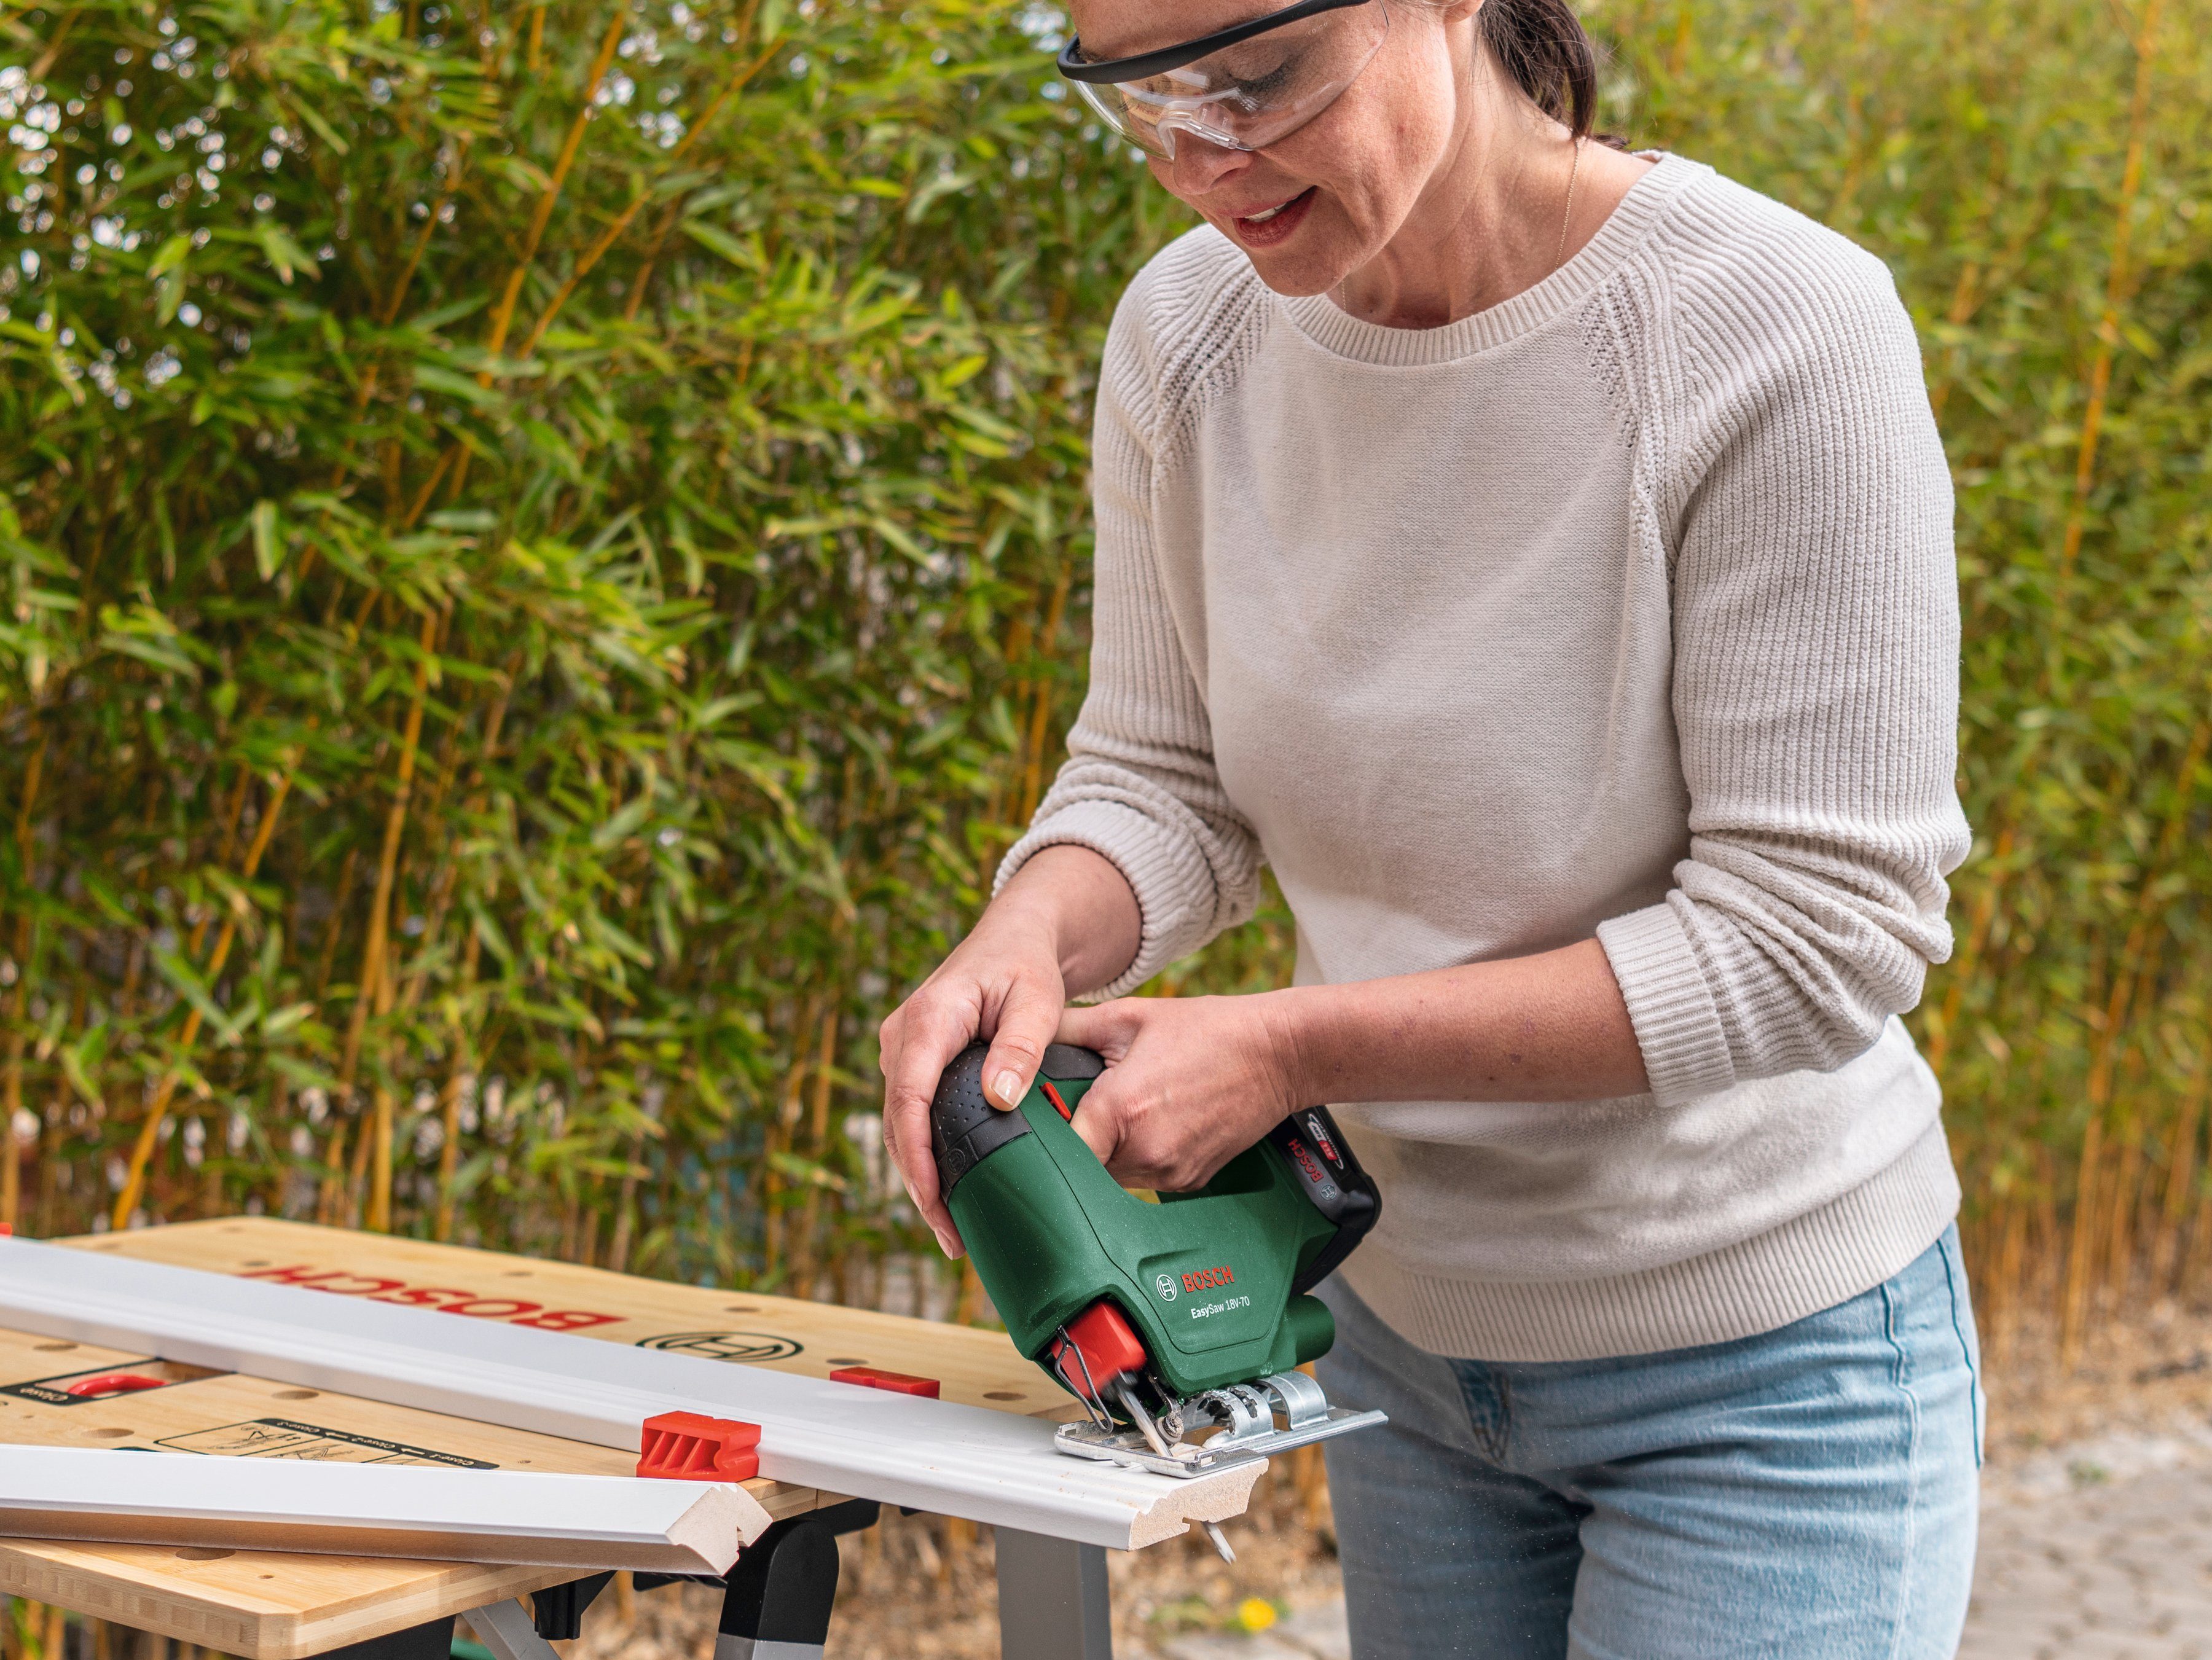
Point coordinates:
[(149, 1131), (458, 1070), (2181, 1167), (375, 1151), (2117, 287), (373, 991), (1855, 123), (818, 1139), (1040, 713), (1981, 918), (2119, 1220), (347, 869), (2011, 1247), (776, 1137), (625, 1202), (11, 1094), (621, 223), (460, 1065), (2098, 380), (2081, 1255), (2138, 966), (502, 317)]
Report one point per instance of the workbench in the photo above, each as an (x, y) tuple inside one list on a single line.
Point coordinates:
[(267, 1606)]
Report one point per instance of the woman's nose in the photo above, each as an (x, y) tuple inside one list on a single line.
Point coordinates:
[(1197, 165)]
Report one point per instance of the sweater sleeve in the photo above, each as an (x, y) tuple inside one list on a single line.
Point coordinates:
[(1139, 786), (1814, 690)]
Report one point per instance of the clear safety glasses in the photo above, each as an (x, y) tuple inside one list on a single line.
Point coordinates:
[(1242, 88)]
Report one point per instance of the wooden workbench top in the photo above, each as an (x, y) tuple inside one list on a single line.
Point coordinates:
[(264, 1606)]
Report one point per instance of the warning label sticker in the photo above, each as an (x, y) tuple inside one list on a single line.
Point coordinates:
[(282, 1438)]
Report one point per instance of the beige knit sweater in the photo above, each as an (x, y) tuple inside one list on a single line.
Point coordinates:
[(1626, 607)]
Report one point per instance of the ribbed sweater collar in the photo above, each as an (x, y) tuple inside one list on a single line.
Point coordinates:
[(1322, 320)]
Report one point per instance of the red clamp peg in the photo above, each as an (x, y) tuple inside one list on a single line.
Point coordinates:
[(111, 1383), (689, 1446), (875, 1377)]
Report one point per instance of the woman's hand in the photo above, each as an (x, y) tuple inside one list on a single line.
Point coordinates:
[(1067, 922), (1189, 1084)]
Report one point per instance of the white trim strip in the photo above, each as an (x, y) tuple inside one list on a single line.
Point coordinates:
[(507, 1629), (990, 1466), (520, 1517)]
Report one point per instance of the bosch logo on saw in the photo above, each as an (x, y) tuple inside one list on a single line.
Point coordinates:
[(1207, 1279)]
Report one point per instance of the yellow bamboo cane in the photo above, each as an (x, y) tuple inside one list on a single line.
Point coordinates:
[(149, 1132)]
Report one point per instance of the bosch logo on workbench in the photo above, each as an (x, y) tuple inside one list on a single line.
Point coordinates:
[(745, 1347), (446, 1300), (1207, 1279)]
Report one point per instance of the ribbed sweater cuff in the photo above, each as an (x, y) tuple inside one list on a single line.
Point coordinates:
[(1173, 883), (1678, 1026)]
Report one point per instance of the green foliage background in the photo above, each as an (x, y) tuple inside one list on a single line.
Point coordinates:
[(545, 558)]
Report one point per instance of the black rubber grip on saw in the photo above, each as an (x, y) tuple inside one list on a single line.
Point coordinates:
[(1330, 1177), (964, 1127)]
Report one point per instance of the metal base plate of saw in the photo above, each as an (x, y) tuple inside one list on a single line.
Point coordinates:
[(1200, 1300)]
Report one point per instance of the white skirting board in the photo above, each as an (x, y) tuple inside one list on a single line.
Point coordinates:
[(518, 1516), (989, 1467)]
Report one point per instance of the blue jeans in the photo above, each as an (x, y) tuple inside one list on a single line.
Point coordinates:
[(1809, 1493)]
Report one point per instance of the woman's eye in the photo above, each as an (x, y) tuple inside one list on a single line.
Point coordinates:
[(1264, 82)]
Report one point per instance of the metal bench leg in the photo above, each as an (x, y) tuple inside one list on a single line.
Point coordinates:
[(781, 1592), (1052, 1603)]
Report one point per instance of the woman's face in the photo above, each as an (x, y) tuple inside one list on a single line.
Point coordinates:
[(1343, 184)]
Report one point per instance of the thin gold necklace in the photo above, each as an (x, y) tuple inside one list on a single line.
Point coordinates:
[(1566, 218)]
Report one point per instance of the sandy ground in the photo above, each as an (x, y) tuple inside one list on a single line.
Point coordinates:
[(2096, 1541)]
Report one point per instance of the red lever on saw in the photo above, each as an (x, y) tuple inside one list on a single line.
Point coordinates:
[(1103, 1347)]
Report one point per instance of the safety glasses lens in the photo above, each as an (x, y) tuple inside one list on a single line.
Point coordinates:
[(1249, 95)]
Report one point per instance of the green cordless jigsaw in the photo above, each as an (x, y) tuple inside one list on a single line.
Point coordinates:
[(1162, 1318)]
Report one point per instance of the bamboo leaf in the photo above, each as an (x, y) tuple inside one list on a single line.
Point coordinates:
[(268, 542)]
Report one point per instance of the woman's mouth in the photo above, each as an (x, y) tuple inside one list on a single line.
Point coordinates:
[(1272, 225)]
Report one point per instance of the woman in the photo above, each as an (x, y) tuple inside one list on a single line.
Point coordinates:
[(1541, 554)]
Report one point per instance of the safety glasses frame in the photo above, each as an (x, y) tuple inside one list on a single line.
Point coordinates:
[(1144, 65)]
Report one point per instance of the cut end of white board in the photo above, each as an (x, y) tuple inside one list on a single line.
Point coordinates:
[(1202, 1498)]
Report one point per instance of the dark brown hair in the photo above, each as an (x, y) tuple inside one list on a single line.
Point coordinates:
[(1542, 45)]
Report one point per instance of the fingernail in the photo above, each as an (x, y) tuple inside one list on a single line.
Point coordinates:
[(1009, 1086)]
